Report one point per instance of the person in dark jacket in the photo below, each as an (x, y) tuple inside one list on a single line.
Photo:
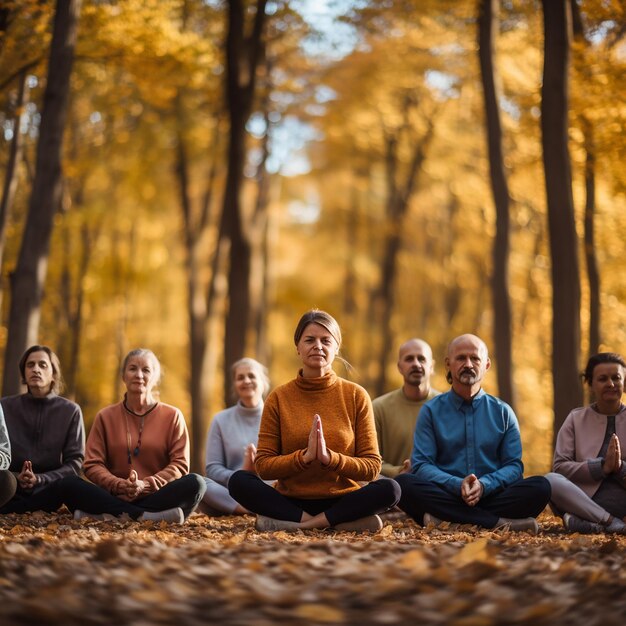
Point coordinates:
[(45, 431)]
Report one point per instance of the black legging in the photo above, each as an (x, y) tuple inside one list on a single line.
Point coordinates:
[(257, 496), (76, 493)]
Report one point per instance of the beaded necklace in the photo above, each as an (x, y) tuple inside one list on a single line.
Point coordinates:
[(137, 448)]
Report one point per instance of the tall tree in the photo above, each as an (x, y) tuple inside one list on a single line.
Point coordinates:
[(260, 243), (10, 175), (244, 53), (561, 219), (198, 220), (400, 187), (488, 11), (27, 283), (72, 293), (201, 299), (587, 127)]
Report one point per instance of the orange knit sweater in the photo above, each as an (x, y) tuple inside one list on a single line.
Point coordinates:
[(164, 452), (349, 431)]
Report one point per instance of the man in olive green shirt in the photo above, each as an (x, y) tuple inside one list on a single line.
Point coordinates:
[(396, 412)]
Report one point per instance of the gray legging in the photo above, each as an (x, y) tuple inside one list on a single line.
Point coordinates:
[(567, 497), (8, 486), (217, 497)]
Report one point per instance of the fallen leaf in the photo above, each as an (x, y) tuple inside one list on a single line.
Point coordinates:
[(386, 531), (608, 547), (107, 551), (416, 562), (320, 613), (481, 551)]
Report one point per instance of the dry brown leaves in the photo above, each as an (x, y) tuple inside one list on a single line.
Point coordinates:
[(54, 570)]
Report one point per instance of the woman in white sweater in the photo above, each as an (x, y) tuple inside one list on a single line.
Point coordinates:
[(231, 439)]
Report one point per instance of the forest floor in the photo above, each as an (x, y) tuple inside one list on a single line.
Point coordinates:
[(54, 570)]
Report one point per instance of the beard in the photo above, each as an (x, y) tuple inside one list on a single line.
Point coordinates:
[(468, 377)]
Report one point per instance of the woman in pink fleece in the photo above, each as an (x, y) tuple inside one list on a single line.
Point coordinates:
[(589, 478), (137, 453)]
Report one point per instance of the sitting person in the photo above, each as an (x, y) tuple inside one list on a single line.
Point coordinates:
[(46, 434), (137, 455), (232, 436), (395, 413), (589, 478), (466, 461), (317, 439), (8, 482)]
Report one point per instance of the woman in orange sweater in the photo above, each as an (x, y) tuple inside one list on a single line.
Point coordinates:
[(317, 439)]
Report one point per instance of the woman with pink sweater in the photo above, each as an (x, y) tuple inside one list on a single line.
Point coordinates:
[(589, 478), (137, 454)]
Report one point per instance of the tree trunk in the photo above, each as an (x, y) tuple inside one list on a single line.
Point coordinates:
[(398, 198), (593, 275), (241, 71), (352, 228), (196, 224), (198, 381), (203, 297), (122, 240), (5, 20), (532, 294), (88, 240), (10, 176), (487, 23), (387, 302), (561, 221), (28, 281), (263, 348), (197, 308), (452, 296), (238, 311), (260, 247)]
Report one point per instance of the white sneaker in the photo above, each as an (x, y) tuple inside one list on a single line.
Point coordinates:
[(370, 523), (173, 516)]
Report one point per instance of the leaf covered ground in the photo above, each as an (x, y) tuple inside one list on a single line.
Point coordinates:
[(54, 570)]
